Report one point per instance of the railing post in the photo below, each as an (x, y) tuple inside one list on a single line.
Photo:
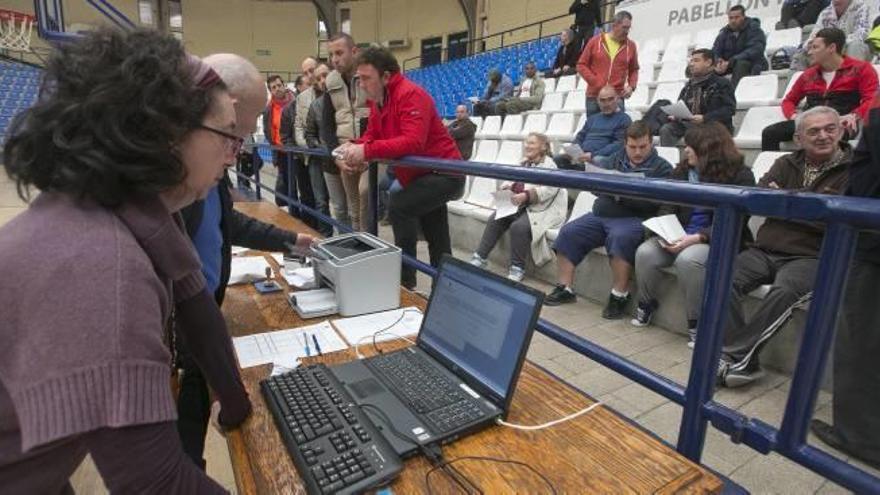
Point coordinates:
[(838, 248), (726, 230), (502, 39), (290, 185), (255, 157), (373, 192)]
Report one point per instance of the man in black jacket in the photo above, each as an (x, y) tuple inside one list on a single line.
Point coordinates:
[(302, 185), (707, 95), (740, 45), (463, 130), (587, 16), (214, 226)]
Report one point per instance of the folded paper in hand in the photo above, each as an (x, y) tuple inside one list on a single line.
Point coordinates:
[(245, 270), (610, 171), (574, 151), (504, 206), (678, 110), (667, 227)]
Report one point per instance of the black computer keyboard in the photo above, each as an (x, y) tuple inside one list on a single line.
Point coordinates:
[(425, 390), (333, 445)]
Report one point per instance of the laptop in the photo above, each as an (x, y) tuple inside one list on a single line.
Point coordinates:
[(461, 374)]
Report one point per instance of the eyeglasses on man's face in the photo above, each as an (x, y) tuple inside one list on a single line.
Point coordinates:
[(233, 143)]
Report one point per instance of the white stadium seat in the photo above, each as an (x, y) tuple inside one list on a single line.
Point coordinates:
[(677, 48), (649, 52), (791, 80), (768, 24), (667, 91), (757, 91), (510, 153), (582, 205), (673, 70), (669, 153), (646, 73), (753, 124), (761, 166), (705, 38), (491, 128), (487, 151), (783, 38), (566, 84), (634, 115), (581, 83), (639, 99), (549, 85), (552, 102), (575, 101), (561, 126), (511, 127), (478, 121), (481, 191), (536, 122), (580, 124)]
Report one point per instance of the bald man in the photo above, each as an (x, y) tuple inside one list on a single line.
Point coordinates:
[(308, 66), (213, 226), (313, 170)]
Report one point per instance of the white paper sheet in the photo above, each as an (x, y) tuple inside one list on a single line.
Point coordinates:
[(678, 110), (247, 269), (667, 227), (359, 329), (504, 207), (286, 347), (610, 171), (301, 278), (279, 258), (574, 151), (236, 250), (313, 303)]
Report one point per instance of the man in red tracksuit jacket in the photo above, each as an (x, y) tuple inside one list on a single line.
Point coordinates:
[(610, 59), (834, 80), (404, 122)]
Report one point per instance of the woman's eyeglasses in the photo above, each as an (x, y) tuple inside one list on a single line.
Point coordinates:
[(233, 142)]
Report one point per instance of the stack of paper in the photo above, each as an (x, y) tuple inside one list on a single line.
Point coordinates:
[(667, 227), (504, 207), (301, 278), (314, 303), (392, 324), (678, 110), (286, 347), (247, 269)]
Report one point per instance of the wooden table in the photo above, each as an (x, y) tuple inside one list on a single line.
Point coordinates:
[(599, 452)]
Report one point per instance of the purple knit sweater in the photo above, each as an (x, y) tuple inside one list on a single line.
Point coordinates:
[(85, 297)]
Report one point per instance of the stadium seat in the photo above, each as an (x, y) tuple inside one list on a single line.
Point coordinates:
[(646, 73), (576, 102), (549, 85), (581, 84), (673, 70), (512, 127), (487, 151), (561, 126), (566, 84), (478, 121), (791, 80), (669, 153), (757, 91), (705, 38), (491, 128), (677, 48), (552, 102), (753, 124), (510, 153), (639, 99), (634, 115), (783, 38), (761, 166), (536, 122), (667, 91), (582, 205), (480, 193)]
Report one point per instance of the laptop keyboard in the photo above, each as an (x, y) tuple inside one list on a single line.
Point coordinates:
[(426, 390), (335, 448)]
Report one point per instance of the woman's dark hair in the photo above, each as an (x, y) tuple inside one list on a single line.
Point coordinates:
[(113, 107), (718, 159)]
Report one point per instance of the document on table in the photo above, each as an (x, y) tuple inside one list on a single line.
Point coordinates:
[(678, 110), (236, 250), (504, 207), (667, 227), (610, 171), (358, 329), (574, 151), (301, 278), (314, 303), (286, 347), (247, 269), (279, 258)]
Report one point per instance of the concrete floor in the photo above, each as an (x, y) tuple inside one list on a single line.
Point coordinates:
[(658, 350)]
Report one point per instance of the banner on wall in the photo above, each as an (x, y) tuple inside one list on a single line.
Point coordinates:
[(661, 18)]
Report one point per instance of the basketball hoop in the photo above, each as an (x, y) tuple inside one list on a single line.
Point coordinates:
[(15, 30)]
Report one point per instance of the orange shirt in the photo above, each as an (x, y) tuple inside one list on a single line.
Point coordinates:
[(277, 108)]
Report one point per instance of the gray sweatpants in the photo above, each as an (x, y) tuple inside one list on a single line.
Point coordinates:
[(520, 237), (791, 278), (690, 265)]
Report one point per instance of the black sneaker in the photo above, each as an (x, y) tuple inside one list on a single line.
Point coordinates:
[(731, 375), (644, 313), (616, 307), (560, 295)]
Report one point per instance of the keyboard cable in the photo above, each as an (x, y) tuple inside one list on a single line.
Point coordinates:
[(387, 329), (549, 423)]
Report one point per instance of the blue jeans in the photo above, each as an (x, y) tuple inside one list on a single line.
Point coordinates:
[(322, 198)]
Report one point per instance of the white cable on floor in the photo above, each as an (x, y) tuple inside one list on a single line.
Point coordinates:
[(551, 423)]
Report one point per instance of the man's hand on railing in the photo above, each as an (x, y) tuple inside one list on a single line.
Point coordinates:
[(350, 158)]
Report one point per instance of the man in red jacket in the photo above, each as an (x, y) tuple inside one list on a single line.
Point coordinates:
[(404, 122), (845, 84), (610, 59)]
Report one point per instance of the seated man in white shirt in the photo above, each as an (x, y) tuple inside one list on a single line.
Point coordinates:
[(529, 95)]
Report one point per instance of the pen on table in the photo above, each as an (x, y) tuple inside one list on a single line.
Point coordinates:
[(317, 345), (306, 342)]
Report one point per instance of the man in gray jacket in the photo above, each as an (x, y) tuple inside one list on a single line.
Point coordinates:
[(529, 95), (316, 177)]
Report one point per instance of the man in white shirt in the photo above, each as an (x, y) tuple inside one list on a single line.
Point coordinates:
[(528, 97)]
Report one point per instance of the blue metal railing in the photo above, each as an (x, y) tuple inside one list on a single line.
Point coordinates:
[(844, 216)]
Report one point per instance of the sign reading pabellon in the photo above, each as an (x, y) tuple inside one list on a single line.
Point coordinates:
[(662, 18)]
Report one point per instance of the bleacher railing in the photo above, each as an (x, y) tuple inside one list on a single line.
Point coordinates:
[(844, 216)]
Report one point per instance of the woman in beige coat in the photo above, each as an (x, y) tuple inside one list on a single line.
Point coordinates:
[(539, 208)]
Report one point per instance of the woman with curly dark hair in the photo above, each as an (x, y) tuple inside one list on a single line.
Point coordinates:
[(127, 131), (710, 156)]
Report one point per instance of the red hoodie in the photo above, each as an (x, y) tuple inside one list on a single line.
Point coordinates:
[(406, 124), (597, 68), (852, 90)]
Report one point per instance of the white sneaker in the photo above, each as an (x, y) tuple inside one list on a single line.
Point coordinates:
[(516, 274), (479, 261)]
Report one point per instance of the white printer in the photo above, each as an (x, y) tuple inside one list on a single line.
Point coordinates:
[(361, 269)]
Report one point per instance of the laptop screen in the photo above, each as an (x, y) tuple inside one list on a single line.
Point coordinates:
[(480, 324)]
